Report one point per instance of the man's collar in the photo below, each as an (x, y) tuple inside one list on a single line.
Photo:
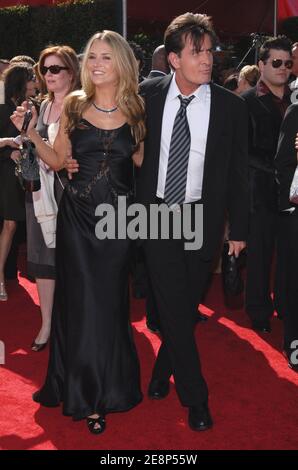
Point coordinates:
[(263, 89), (174, 91), (158, 71)]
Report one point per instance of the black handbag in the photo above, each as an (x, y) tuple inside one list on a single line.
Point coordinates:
[(27, 167), (231, 272)]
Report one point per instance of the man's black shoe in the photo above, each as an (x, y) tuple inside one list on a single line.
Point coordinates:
[(262, 326), (199, 418), (152, 326), (158, 389)]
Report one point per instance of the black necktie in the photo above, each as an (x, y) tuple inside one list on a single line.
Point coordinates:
[(176, 178)]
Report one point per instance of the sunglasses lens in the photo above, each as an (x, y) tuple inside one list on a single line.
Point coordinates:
[(276, 63), (54, 69)]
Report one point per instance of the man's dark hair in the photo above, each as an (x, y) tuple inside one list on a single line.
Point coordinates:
[(280, 43), (160, 60), (138, 53), (231, 83), (15, 81), (188, 25)]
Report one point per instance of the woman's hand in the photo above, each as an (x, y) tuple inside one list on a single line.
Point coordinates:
[(18, 116), (71, 165), (235, 247), (8, 141), (15, 155)]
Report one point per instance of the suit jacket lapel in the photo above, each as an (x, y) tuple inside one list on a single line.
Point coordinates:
[(216, 121), (157, 103), (271, 108)]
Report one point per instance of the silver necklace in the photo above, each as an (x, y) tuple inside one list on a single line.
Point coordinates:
[(107, 111)]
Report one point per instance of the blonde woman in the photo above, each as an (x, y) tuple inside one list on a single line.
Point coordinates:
[(248, 77), (93, 366)]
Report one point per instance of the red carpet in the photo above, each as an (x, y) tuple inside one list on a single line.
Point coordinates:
[(253, 394)]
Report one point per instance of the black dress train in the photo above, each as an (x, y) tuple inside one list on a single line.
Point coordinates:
[(93, 365)]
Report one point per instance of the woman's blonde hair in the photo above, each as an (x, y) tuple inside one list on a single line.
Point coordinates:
[(127, 97), (69, 59), (250, 73)]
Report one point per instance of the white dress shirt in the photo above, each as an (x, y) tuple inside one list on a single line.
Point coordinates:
[(198, 114)]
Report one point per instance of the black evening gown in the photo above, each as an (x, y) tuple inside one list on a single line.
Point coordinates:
[(93, 365)]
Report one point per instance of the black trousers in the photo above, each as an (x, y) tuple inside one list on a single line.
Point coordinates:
[(141, 285), (288, 264), (178, 279), (260, 249)]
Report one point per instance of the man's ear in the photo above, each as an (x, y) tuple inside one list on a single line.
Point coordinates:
[(261, 65), (174, 60)]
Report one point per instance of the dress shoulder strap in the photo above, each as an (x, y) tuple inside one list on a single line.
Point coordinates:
[(43, 108)]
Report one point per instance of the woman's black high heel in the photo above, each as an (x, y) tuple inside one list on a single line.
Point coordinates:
[(92, 422)]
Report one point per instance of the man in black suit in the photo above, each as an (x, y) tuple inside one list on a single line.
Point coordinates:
[(267, 103), (214, 137), (286, 164)]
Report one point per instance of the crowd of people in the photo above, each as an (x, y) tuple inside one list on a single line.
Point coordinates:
[(103, 133)]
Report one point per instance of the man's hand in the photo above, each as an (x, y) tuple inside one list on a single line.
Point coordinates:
[(71, 165), (19, 114), (236, 247)]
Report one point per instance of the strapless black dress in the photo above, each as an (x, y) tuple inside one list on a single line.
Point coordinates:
[(93, 365)]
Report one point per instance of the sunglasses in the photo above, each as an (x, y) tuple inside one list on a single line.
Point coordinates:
[(276, 63), (54, 69)]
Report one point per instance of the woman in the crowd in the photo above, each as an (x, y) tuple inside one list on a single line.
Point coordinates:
[(93, 366), (231, 83), (248, 77), (18, 81), (58, 71)]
